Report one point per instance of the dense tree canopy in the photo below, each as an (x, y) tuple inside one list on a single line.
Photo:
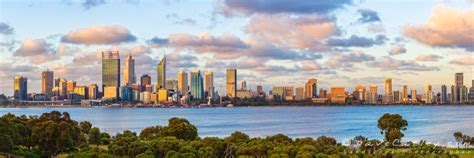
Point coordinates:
[(391, 126)]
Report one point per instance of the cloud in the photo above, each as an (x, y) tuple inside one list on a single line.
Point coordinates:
[(177, 20), (397, 49), (249, 7), (389, 63), (112, 34), (467, 60), (428, 57), (347, 60), (357, 41), (446, 27), (88, 4), (38, 51), (6, 29), (368, 16), (376, 28), (177, 61), (302, 32)]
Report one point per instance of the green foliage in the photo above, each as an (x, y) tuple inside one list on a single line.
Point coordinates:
[(94, 136), (391, 126), (85, 126)]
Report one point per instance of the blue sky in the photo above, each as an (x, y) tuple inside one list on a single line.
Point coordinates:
[(279, 42)]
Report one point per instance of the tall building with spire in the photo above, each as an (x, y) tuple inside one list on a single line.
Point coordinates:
[(47, 82), (20, 88), (231, 83), (129, 71), (161, 74)]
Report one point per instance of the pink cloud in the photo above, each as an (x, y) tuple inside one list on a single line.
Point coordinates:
[(467, 60), (99, 35)]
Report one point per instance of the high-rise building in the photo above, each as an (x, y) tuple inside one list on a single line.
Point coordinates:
[(161, 74), (373, 93), (388, 87), (20, 88), (464, 96), (71, 85), (144, 81), (129, 71), (360, 92), (300, 95), (110, 69), (289, 93), (93, 91), (454, 93), (444, 95), (47, 79), (243, 85), (404, 93), (81, 92), (260, 91), (231, 82), (62, 88), (322, 93), (311, 88), (209, 82), (183, 87), (172, 84), (197, 86), (338, 95), (458, 84), (396, 96), (414, 96), (278, 93), (428, 96), (471, 92)]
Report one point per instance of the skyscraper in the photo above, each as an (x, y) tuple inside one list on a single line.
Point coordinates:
[(414, 95), (299, 93), (373, 94), (144, 81), (71, 85), (209, 82), (243, 85), (129, 71), (62, 88), (197, 86), (231, 82), (388, 87), (110, 69), (161, 74), (444, 95), (93, 90), (183, 87), (404, 93), (311, 88), (458, 84), (20, 88), (47, 79)]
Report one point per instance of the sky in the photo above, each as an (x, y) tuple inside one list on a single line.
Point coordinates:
[(271, 43)]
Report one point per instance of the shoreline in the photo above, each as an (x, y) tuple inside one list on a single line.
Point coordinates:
[(391, 105)]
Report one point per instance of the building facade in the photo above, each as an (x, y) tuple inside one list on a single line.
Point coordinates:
[(129, 71), (183, 87), (47, 83), (311, 88), (20, 88), (110, 70), (197, 86), (161, 74), (231, 82)]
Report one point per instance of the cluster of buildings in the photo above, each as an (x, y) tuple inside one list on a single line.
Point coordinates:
[(196, 87)]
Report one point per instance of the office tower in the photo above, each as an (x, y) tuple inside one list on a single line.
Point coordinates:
[(404, 93), (388, 86), (81, 92), (243, 85), (126, 93), (444, 96), (278, 93), (300, 93), (260, 91), (144, 81), (471, 92), (161, 74), (360, 92), (56, 82), (62, 88), (110, 69), (458, 84), (183, 87), (231, 82), (47, 79), (464, 97), (373, 93), (93, 91), (209, 82), (289, 93), (197, 86), (20, 88), (322, 93), (414, 95), (129, 71), (71, 85), (454, 93), (428, 96), (172, 84), (396, 96), (311, 88), (338, 95)]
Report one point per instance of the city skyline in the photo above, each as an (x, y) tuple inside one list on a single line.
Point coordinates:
[(350, 43)]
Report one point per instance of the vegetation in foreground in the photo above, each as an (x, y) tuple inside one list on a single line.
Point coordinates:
[(55, 133)]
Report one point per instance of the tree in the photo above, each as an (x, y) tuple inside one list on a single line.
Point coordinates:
[(94, 136), (150, 132), (237, 137), (391, 126), (180, 128), (85, 126)]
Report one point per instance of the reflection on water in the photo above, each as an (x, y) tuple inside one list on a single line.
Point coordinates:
[(432, 123)]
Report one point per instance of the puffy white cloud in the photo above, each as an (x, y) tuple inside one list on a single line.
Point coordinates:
[(38, 51), (397, 49), (347, 60), (446, 28), (112, 34)]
